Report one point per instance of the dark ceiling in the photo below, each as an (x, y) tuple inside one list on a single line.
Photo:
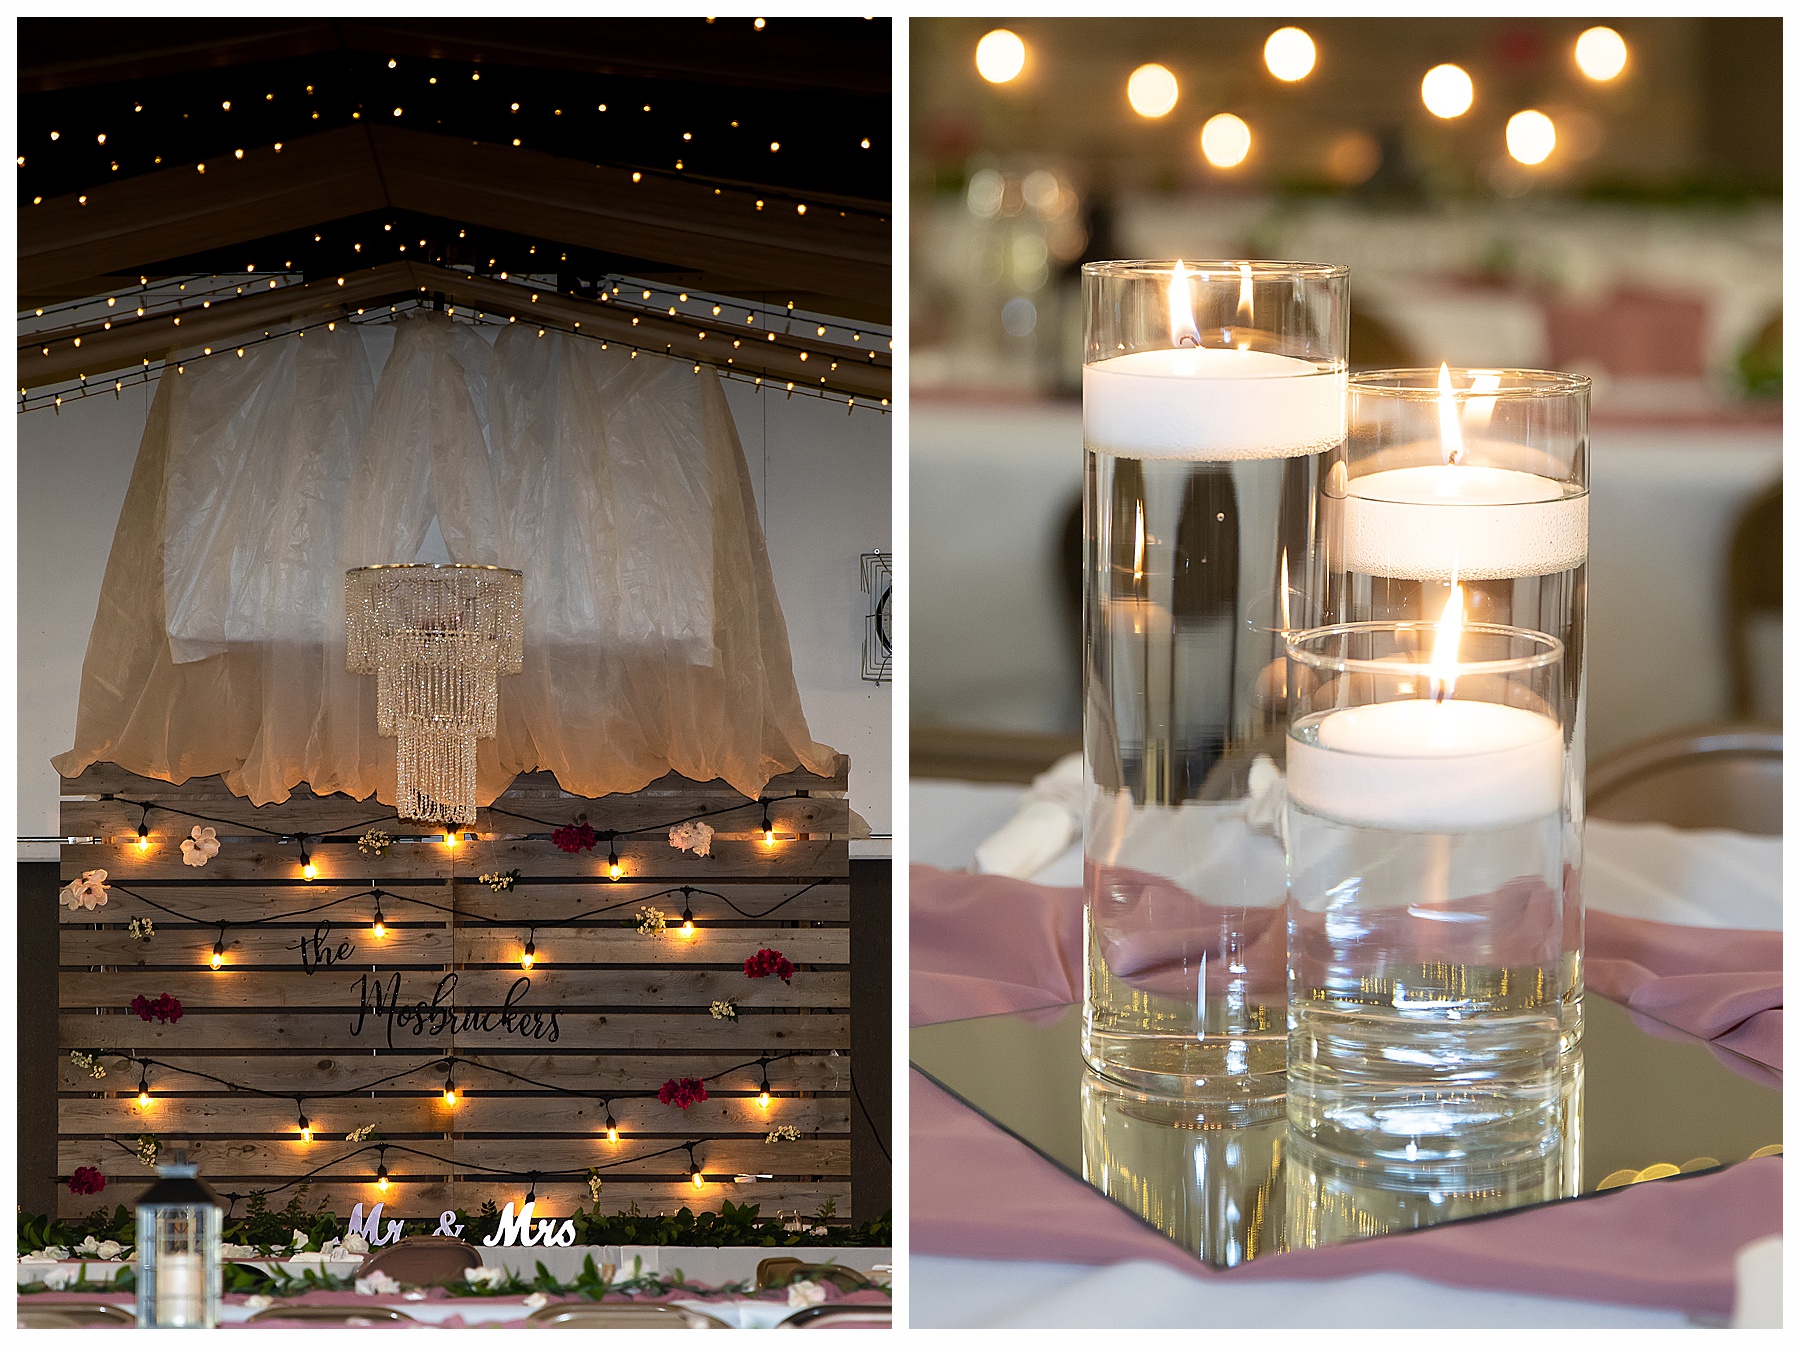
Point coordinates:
[(113, 116)]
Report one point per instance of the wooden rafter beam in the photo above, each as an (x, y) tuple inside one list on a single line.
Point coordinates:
[(118, 227), (94, 350)]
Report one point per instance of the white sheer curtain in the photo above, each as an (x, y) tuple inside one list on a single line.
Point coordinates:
[(653, 637)]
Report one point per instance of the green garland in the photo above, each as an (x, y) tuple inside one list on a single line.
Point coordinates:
[(731, 1226)]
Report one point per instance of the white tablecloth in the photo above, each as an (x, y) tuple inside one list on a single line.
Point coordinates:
[(1719, 879)]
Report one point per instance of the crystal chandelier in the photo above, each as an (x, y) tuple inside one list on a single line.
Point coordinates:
[(437, 638)]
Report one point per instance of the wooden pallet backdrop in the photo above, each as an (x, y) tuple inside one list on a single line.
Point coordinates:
[(304, 1005)]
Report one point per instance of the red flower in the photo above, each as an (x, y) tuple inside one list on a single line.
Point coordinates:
[(85, 1181), (683, 1092), (769, 963), (575, 837), (165, 1008)]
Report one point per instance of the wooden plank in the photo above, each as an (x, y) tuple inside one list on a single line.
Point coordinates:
[(739, 903), (643, 859), (622, 1074), (421, 1197), (273, 947), (331, 1031), (475, 1113), (118, 820), (292, 989)]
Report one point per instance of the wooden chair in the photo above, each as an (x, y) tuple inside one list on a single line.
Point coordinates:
[(429, 1260), (622, 1315), (1723, 776), (89, 1314), (842, 1315), (775, 1272), (1754, 579), (348, 1314)]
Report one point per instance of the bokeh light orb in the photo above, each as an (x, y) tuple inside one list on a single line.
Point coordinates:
[(1600, 54), (1000, 56), (1447, 91), (1290, 54), (1152, 90), (1530, 136), (1225, 140)]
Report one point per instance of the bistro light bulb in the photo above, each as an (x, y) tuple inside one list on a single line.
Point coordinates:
[(380, 926), (1290, 54), (449, 838), (763, 1097), (529, 958), (1000, 56), (218, 951), (144, 1087), (687, 919), (305, 1125), (768, 828), (381, 1178), (1600, 53), (143, 837), (1447, 91), (612, 862), (449, 1092), (1152, 90), (612, 1127), (308, 870)]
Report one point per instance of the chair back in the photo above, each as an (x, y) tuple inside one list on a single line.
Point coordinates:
[(348, 1314), (622, 1315), (429, 1260), (841, 1315), (774, 1272), (1722, 776), (90, 1314)]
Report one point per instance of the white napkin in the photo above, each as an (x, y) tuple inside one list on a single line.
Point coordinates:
[(1048, 820), (1759, 1284)]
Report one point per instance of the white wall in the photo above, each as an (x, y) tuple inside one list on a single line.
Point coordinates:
[(822, 480)]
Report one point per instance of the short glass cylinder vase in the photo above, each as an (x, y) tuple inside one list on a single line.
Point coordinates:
[(179, 1222), (1426, 819), (1212, 402), (1477, 477)]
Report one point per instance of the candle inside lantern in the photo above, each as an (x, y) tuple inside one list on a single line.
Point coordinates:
[(180, 1290)]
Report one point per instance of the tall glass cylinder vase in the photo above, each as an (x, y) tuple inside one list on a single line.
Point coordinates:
[(1476, 477), (1212, 403)]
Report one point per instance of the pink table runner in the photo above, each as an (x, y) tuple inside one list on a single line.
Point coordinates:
[(987, 945)]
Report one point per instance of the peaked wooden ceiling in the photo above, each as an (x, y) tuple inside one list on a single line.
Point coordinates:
[(199, 171)]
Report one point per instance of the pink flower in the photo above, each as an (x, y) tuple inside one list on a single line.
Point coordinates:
[(85, 1181), (683, 1093), (201, 845), (769, 963), (87, 892)]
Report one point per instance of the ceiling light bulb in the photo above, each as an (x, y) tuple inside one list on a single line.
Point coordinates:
[(1000, 56)]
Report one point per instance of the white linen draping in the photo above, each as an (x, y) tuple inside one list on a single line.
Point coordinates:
[(654, 640)]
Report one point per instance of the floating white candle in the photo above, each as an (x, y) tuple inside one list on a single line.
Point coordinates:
[(1463, 520), (1210, 404), (1422, 765)]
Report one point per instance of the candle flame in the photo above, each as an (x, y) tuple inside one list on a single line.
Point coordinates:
[(1449, 425), (1137, 546), (1183, 331), (1246, 309), (1444, 649)]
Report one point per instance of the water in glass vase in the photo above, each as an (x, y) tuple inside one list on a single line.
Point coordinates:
[(1427, 989), (1194, 570)]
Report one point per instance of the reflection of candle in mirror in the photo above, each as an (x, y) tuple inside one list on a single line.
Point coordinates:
[(1456, 517), (1430, 763)]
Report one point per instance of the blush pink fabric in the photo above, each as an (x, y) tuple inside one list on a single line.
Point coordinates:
[(982, 944)]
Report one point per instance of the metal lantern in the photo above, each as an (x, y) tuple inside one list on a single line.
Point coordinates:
[(178, 1231), (437, 638)]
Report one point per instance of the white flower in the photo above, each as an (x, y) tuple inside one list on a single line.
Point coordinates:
[(257, 1303), (492, 1277), (56, 1280), (694, 836), (54, 1253), (93, 1247), (354, 1243), (536, 1300), (377, 1283), (820, 1229), (240, 1251), (86, 892), (804, 1294), (201, 845), (362, 1133), (309, 1259), (299, 1240)]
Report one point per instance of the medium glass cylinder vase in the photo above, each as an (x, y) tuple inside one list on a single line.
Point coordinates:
[(1426, 817), (1212, 402), (1477, 477)]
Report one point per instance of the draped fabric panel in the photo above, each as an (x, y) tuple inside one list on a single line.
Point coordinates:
[(654, 640)]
